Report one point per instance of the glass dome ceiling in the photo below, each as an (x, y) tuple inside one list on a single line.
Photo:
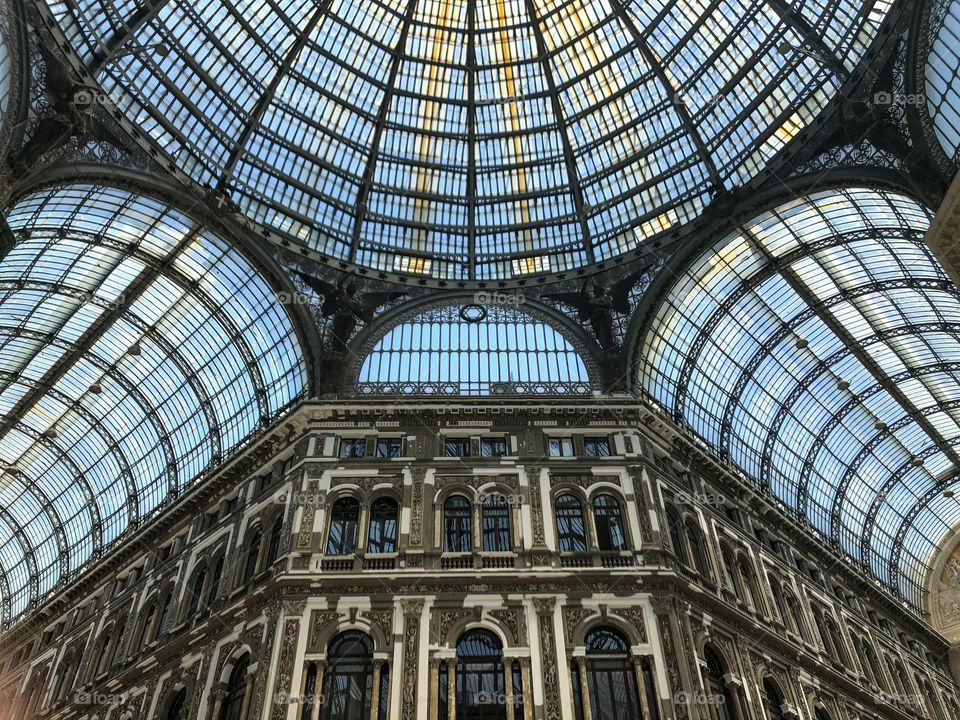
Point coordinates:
[(470, 139), (136, 350), (816, 348)]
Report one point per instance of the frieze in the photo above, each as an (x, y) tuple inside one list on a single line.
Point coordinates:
[(309, 515), (445, 618), (548, 649), (383, 620), (583, 480), (510, 480), (416, 507)]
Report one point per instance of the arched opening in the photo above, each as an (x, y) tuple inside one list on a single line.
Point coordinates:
[(772, 700), (147, 625), (571, 530), (675, 528), (697, 551), (348, 680), (821, 714), (344, 525), (479, 678), (273, 545), (382, 535), (196, 595), (719, 693), (309, 692), (235, 698), (215, 582), (177, 710), (610, 677), (253, 554), (608, 521), (495, 520), (457, 525)]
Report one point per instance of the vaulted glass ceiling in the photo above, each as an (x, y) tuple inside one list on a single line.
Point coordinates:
[(941, 70), (471, 139), (817, 347), (136, 349)]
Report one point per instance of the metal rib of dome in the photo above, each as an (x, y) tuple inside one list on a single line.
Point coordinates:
[(816, 347), (471, 139), (136, 349)]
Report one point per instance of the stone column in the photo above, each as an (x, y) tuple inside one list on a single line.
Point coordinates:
[(217, 698), (641, 682), (451, 689), (318, 691), (412, 611), (544, 607), (375, 705), (527, 681), (581, 663), (508, 687), (434, 688)]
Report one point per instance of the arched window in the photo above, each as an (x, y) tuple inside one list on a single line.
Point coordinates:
[(795, 615), (177, 709), (495, 519), (215, 582), (147, 624), (119, 645), (772, 700), (730, 568), (697, 552), (676, 535), (822, 631), (611, 679), (608, 520), (253, 553), (164, 614), (749, 583), (479, 677), (348, 681), (821, 714), (382, 537), (457, 525), (68, 671), (196, 594), (571, 531), (778, 602), (344, 523), (273, 546), (719, 693), (103, 656), (839, 648), (236, 690)]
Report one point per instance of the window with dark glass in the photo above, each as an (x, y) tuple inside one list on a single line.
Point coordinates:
[(236, 690), (821, 714), (103, 654), (273, 545), (608, 520), (676, 538), (196, 592), (495, 519), (147, 624), (382, 537), (348, 692), (215, 582), (596, 446), (456, 447), (611, 678), (253, 554), (353, 448), (164, 615), (389, 447), (479, 691), (457, 526), (571, 531), (719, 694), (697, 551), (178, 706), (344, 524), (493, 447), (560, 447), (309, 692)]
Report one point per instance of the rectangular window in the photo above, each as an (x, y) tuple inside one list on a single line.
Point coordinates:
[(493, 447), (456, 447), (389, 447), (560, 447), (596, 446), (353, 448)]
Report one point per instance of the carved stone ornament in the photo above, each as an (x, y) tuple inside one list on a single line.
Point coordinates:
[(416, 507), (445, 618), (548, 649), (320, 620), (309, 515), (285, 662), (572, 618), (636, 618), (412, 609), (512, 620)]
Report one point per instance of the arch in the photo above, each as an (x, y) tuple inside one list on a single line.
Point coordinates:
[(343, 526), (348, 679), (611, 681), (479, 691), (826, 318), (237, 689), (177, 708), (698, 550), (426, 348), (773, 699), (611, 621), (716, 685), (182, 363)]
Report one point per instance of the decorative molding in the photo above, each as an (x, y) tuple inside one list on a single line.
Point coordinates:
[(285, 664), (412, 610)]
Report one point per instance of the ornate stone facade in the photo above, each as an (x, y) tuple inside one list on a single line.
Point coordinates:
[(281, 608)]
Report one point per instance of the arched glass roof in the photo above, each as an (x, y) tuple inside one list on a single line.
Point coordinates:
[(472, 350), (941, 74), (474, 139), (136, 350), (816, 347)]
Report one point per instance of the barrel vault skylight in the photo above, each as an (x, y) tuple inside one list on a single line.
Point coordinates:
[(471, 139), (816, 348), (136, 349)]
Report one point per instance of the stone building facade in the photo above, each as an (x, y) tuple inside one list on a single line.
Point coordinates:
[(406, 528)]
